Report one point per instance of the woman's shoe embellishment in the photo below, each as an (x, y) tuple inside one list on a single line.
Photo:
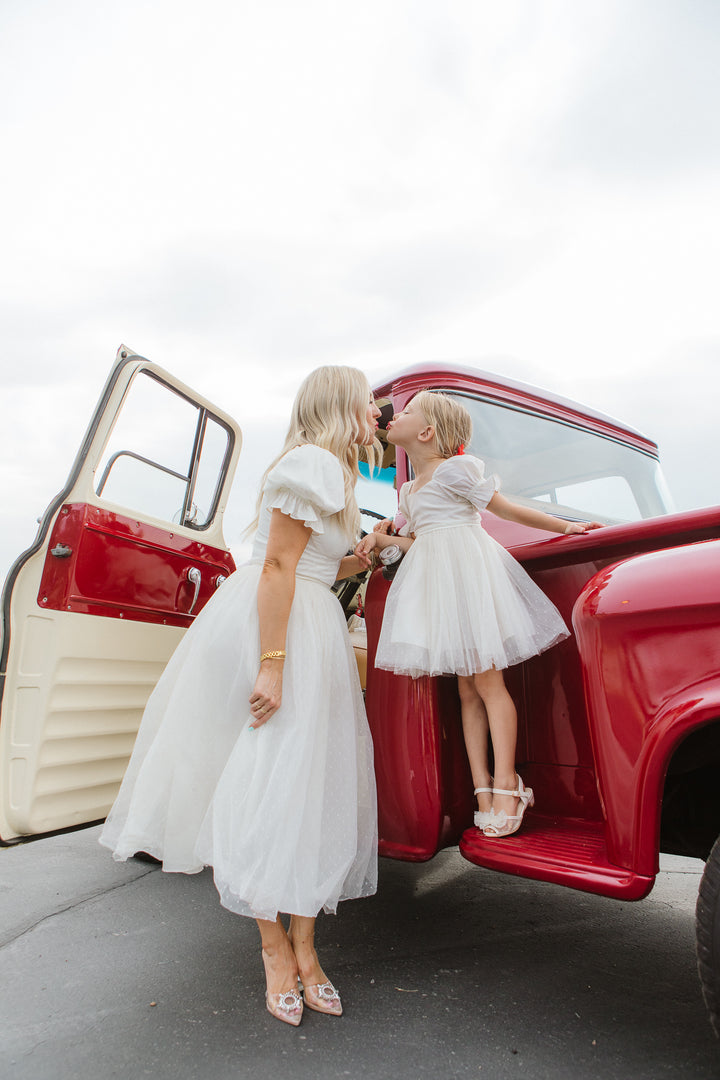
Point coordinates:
[(287, 1006), (323, 998)]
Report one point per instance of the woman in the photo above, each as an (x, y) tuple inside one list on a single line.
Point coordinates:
[(254, 755)]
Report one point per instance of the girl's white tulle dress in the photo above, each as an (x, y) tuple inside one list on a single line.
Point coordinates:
[(459, 603), (286, 815)]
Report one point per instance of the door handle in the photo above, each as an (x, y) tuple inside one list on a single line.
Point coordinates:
[(61, 551), (195, 578)]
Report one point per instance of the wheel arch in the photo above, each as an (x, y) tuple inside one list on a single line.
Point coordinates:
[(690, 810), (682, 751)]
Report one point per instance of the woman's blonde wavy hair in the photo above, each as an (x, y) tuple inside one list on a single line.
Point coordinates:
[(449, 417), (329, 411)]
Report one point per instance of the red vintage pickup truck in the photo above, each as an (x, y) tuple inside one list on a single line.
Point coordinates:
[(619, 725)]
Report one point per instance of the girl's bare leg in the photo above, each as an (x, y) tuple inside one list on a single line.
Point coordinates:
[(281, 967), (475, 731), (502, 720)]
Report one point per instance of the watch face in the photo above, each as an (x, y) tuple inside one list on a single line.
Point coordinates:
[(390, 554)]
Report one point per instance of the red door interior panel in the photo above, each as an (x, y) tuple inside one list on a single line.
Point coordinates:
[(102, 563)]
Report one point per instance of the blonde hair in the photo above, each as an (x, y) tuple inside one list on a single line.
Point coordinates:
[(329, 412), (449, 417)]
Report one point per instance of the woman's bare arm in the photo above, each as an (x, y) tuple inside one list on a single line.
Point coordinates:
[(286, 542)]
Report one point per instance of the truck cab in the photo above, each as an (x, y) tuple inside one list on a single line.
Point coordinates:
[(619, 726)]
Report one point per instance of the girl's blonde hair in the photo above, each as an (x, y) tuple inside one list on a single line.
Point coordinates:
[(329, 411), (449, 417)]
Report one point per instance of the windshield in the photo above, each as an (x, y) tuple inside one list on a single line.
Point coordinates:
[(542, 461)]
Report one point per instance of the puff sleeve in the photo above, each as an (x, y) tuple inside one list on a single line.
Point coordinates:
[(464, 477), (306, 484), (404, 510)]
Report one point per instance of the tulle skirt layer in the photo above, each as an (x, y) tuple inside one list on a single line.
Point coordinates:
[(460, 604), (286, 814)]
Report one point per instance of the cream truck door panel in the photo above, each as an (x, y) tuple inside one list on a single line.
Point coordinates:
[(125, 557)]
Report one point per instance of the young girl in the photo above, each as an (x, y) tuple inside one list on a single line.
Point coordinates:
[(459, 603)]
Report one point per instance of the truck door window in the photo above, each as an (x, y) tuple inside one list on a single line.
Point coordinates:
[(165, 457)]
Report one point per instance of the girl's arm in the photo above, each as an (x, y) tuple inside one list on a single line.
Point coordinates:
[(536, 519), (384, 526), (286, 542), (374, 541)]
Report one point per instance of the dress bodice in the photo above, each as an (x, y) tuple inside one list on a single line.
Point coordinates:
[(307, 483), (454, 494)]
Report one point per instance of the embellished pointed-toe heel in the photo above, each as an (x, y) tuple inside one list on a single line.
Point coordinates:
[(483, 817), (503, 824), (287, 1006), (323, 998)]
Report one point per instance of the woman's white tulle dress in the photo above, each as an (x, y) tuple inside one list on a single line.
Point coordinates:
[(286, 815), (459, 603)]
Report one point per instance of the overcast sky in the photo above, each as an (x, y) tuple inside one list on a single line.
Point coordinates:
[(241, 191)]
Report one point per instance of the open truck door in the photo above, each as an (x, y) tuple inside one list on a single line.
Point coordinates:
[(125, 557)]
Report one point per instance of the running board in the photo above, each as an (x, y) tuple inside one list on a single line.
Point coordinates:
[(570, 853)]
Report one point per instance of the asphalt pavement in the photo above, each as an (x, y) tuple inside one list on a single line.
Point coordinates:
[(121, 971)]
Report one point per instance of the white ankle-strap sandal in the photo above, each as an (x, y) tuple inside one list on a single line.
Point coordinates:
[(503, 824), (483, 817)]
